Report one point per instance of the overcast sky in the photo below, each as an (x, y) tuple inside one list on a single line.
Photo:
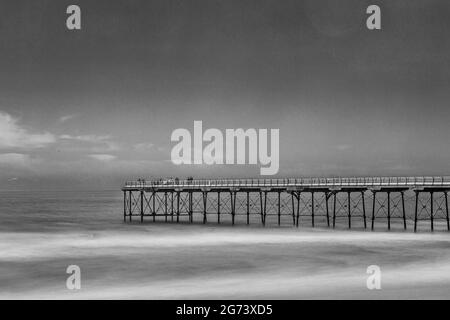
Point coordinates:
[(98, 105)]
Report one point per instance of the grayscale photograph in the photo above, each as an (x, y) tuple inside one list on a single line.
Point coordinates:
[(224, 150)]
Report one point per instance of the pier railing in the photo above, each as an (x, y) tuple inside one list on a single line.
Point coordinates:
[(296, 182)]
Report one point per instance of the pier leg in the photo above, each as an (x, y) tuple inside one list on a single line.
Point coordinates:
[(349, 211), (265, 208), (389, 210), (165, 207), (124, 206), (261, 206), (403, 210), (129, 205), (432, 211), (154, 206), (191, 219), (279, 208), (248, 208), (415, 211), (205, 199), (178, 206), (142, 206), (446, 210), (364, 209), (334, 209), (299, 194), (374, 193), (293, 208), (326, 205), (218, 207), (312, 209), (233, 207), (171, 205)]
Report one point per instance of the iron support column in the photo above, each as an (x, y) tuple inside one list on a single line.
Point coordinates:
[(129, 204), (432, 211), (218, 207), (389, 210), (142, 206), (205, 199), (279, 208), (248, 208), (349, 210), (403, 210), (364, 209), (312, 209), (334, 209), (446, 210), (165, 206), (326, 205), (154, 206), (415, 211), (373, 208), (124, 206)]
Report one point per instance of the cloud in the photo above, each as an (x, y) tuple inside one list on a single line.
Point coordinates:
[(101, 143), (343, 147), (15, 159), (67, 118), (86, 138), (12, 135), (143, 146), (102, 157)]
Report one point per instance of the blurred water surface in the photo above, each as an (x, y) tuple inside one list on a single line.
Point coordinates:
[(41, 233)]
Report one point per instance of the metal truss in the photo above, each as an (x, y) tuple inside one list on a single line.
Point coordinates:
[(392, 206), (351, 206), (289, 204), (431, 204)]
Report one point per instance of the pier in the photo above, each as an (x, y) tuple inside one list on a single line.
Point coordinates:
[(362, 202)]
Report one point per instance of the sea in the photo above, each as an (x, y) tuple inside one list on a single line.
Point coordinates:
[(44, 233)]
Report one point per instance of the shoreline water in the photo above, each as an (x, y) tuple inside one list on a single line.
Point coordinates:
[(198, 262)]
